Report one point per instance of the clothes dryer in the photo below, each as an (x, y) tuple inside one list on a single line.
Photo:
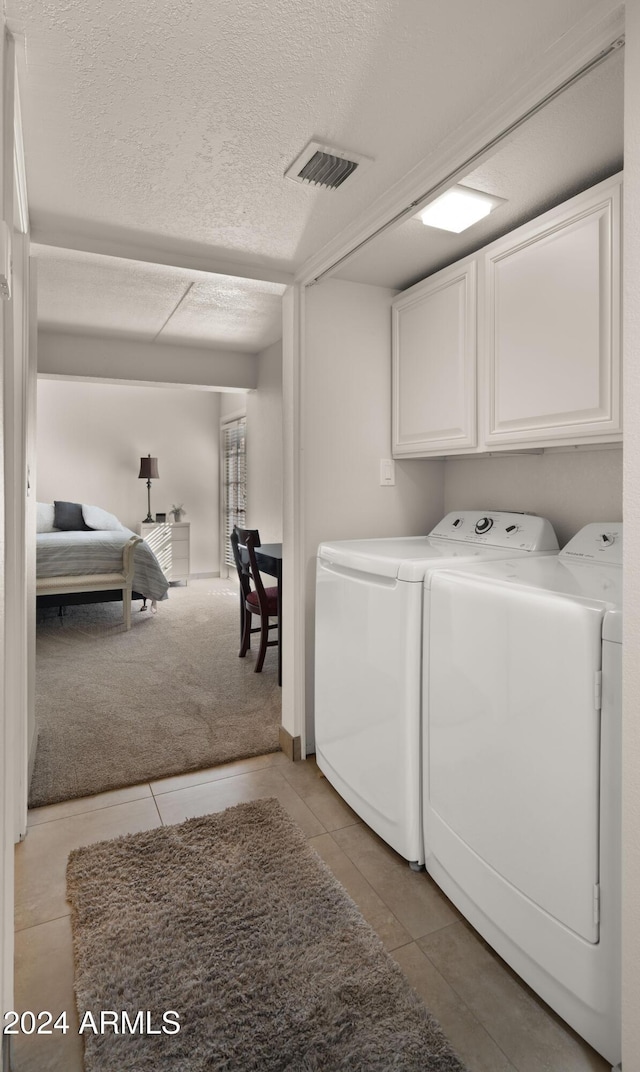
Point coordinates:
[(521, 795), (368, 665)]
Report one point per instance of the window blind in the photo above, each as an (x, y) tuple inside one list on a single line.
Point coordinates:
[(234, 480)]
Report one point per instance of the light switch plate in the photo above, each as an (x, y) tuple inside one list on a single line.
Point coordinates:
[(387, 472)]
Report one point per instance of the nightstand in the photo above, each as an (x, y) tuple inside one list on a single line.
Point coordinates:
[(170, 545)]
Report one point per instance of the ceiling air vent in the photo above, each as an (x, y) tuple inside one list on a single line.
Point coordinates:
[(322, 165)]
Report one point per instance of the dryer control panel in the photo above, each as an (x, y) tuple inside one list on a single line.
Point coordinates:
[(599, 542), (491, 528)]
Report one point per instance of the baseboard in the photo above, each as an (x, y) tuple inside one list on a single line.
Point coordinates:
[(202, 576), (291, 746)]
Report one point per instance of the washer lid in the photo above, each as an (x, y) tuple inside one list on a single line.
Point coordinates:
[(405, 560), (383, 558), (461, 536)]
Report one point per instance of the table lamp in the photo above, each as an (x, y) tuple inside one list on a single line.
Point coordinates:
[(148, 472)]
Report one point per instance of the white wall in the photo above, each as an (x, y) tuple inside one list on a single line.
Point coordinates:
[(91, 437), (345, 420), (102, 358), (264, 447), (232, 405), (631, 683), (569, 488)]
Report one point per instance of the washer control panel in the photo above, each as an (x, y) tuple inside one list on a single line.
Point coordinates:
[(598, 542), (523, 532)]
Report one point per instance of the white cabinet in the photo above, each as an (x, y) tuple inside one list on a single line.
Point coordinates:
[(434, 364), (170, 545), (525, 335), (550, 342)]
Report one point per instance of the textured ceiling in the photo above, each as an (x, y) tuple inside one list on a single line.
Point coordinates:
[(173, 120), (166, 127), (84, 292)]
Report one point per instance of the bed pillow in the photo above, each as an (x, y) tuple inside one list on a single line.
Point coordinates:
[(97, 518), (44, 517), (68, 516)]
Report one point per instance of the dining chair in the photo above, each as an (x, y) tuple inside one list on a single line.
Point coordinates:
[(260, 601), (242, 566)]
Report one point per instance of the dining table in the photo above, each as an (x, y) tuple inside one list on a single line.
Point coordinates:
[(269, 560)]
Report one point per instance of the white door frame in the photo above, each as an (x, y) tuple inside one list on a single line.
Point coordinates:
[(16, 538)]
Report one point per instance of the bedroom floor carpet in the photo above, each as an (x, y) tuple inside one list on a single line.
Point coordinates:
[(236, 925), (116, 708)]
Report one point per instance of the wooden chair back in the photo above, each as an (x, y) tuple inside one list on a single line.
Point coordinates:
[(263, 603), (238, 544), (249, 541)]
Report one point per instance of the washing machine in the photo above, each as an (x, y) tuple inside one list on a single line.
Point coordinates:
[(521, 795), (368, 659)]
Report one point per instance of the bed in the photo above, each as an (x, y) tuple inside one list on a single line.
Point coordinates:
[(91, 550)]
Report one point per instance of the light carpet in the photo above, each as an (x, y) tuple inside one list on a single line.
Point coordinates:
[(234, 923), (117, 708)]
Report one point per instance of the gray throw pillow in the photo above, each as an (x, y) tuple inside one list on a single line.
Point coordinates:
[(68, 516)]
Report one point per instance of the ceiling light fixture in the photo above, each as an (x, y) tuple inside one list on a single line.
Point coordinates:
[(458, 208)]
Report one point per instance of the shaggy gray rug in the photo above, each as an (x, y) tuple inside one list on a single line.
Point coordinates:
[(171, 695), (233, 922)]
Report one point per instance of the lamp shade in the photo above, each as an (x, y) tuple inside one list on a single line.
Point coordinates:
[(148, 468)]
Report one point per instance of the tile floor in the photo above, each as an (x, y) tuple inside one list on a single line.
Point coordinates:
[(493, 1020)]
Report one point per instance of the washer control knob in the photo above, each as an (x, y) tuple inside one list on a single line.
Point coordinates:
[(511, 528), (457, 522), (606, 539), (483, 525)]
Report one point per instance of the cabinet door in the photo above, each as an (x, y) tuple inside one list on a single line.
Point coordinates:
[(434, 364), (551, 340)]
